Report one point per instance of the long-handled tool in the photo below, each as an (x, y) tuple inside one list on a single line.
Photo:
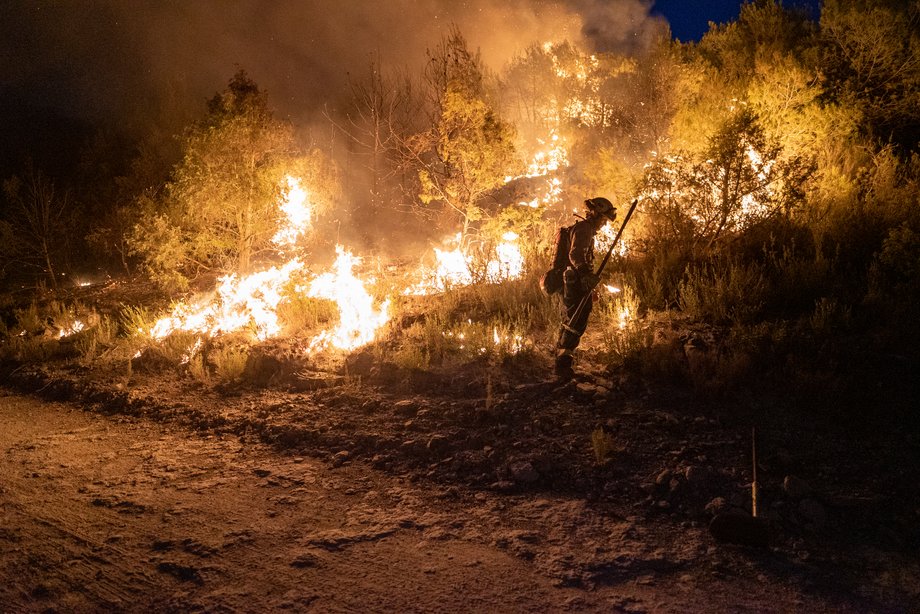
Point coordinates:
[(600, 269), (738, 527)]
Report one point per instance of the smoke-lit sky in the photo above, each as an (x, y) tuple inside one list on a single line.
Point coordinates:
[(126, 61)]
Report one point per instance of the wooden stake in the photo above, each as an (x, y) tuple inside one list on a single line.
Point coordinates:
[(754, 483)]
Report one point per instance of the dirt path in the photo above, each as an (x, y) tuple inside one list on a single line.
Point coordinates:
[(116, 513), (98, 514)]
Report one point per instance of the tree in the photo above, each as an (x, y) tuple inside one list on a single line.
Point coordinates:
[(872, 55), (738, 181), (384, 110), (467, 150), (38, 224), (220, 210)]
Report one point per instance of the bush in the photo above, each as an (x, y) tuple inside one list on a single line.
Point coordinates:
[(724, 292)]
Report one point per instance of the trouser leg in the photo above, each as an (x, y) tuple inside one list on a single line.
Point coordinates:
[(575, 321)]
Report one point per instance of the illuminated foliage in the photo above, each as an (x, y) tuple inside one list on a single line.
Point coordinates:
[(468, 150), (220, 211), (873, 57), (737, 182)]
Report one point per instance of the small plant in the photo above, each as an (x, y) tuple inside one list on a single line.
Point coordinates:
[(229, 362), (624, 334), (299, 313), (726, 292), (29, 320), (603, 445), (136, 320), (92, 342), (198, 369)]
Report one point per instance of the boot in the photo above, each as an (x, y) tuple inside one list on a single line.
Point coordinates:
[(563, 367)]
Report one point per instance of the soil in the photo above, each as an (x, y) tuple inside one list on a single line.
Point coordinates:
[(362, 487)]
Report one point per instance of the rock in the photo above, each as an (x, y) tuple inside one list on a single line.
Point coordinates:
[(698, 476), (716, 506), (502, 486), (796, 487), (437, 444), (585, 389), (340, 457), (523, 472), (812, 512), (262, 473), (406, 407), (663, 478), (305, 560)]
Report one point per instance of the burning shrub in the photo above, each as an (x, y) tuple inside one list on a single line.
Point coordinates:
[(235, 197)]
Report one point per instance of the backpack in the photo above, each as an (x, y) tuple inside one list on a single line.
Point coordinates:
[(552, 281)]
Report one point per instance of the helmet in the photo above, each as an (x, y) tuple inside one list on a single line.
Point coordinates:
[(601, 206)]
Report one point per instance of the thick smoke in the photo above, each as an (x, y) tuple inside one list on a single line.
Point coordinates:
[(115, 61)]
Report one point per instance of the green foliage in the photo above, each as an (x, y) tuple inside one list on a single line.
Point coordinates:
[(229, 362), (299, 313), (468, 150), (872, 55)]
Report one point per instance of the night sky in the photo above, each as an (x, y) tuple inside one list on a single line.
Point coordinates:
[(70, 67), (689, 19)]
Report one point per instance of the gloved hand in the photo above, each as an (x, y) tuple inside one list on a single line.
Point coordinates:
[(589, 280)]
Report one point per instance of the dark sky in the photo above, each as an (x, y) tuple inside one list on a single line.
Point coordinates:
[(70, 66)]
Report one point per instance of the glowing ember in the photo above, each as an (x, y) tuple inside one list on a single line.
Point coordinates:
[(359, 320), (73, 329), (480, 339)]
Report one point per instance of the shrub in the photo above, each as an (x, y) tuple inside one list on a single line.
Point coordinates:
[(724, 292), (229, 362), (603, 445)]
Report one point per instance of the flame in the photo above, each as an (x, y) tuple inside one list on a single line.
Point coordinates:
[(553, 157), (250, 301), (297, 212), (73, 329), (456, 267), (359, 320), (604, 239)]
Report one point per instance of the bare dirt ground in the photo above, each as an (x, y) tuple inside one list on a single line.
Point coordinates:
[(461, 495)]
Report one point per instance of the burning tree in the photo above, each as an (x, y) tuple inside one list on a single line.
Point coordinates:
[(220, 211), (737, 182)]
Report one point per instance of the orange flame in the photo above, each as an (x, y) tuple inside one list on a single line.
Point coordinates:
[(359, 320)]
